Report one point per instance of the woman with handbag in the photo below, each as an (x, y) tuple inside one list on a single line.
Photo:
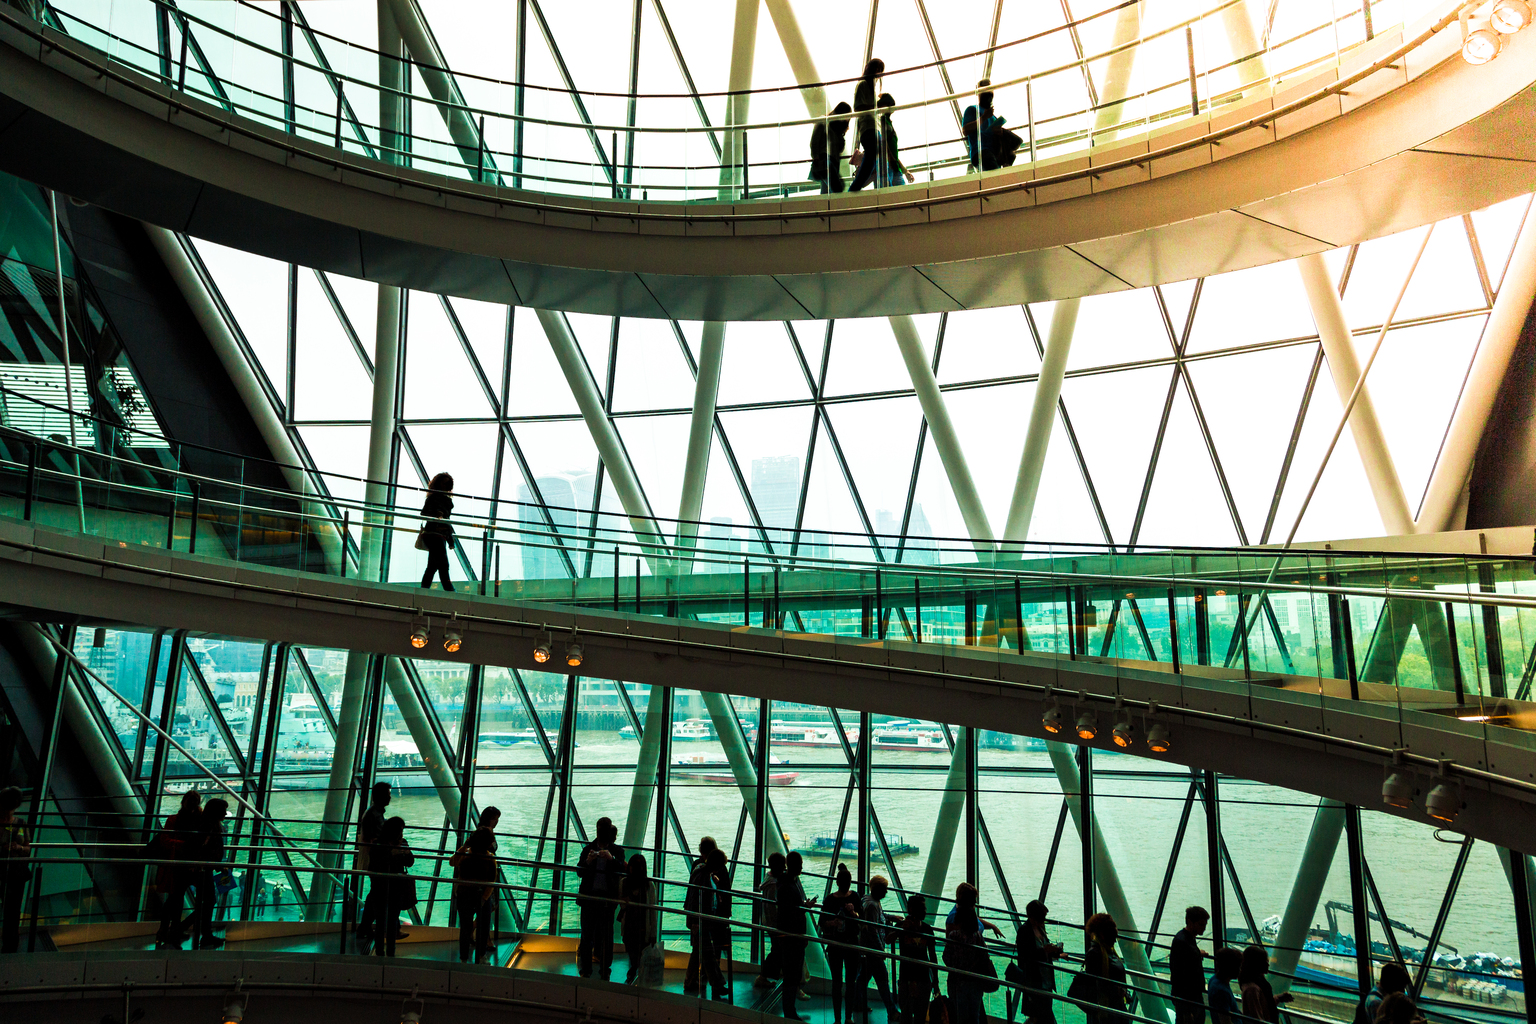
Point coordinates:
[(965, 950), (436, 532), (1036, 953), (637, 914), (1104, 971)]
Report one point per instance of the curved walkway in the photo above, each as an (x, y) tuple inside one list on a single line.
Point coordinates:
[(1302, 733), (1404, 134)]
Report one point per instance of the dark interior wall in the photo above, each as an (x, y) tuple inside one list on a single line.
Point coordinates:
[(1504, 473), (171, 356)]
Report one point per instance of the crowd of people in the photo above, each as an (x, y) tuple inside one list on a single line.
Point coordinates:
[(876, 156), (858, 934)]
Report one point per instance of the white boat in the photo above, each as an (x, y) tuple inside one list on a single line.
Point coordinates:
[(900, 735), (808, 734), (691, 730), (715, 768)]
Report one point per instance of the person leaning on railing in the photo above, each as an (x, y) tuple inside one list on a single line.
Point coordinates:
[(16, 847)]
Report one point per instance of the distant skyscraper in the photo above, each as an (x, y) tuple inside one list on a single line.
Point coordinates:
[(776, 490), (569, 497), (916, 550)]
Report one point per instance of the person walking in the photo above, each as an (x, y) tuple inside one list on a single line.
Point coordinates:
[(1106, 968), (436, 532), (700, 891), (600, 867), (1186, 968), (1225, 965), (368, 829), (176, 842), (828, 140), (16, 848), (988, 144), (390, 859), (720, 926), (893, 172), (1259, 999), (474, 875), (205, 878), (917, 981), (873, 934), (792, 928), (1037, 954), (964, 927), (840, 923), (637, 914), (866, 147), (767, 915)]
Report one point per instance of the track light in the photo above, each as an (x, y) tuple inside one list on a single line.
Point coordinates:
[(1510, 16), (1444, 801), (1481, 45), (1087, 726), (411, 1009), (1124, 730), (573, 651), (1052, 720), (542, 651), (234, 1005), (421, 628), (1398, 789), (453, 635)]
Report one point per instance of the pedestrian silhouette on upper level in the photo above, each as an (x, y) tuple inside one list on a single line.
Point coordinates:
[(436, 532), (828, 140), (866, 147)]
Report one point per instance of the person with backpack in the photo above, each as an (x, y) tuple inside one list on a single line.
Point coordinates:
[(600, 868), (768, 915), (176, 842), (840, 923), (792, 929), (474, 896), (205, 879), (873, 936), (918, 982), (893, 171), (963, 934), (637, 915)]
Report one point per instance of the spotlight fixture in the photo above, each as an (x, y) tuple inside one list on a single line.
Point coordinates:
[(1444, 801), (453, 635), (1052, 720), (1124, 730), (1481, 44), (1157, 733), (1398, 790), (573, 651), (411, 1009), (1087, 726), (421, 628), (234, 1005), (543, 650), (1510, 16)]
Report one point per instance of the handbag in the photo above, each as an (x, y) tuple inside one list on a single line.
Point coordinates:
[(981, 963), (421, 538), (653, 963), (1084, 988)]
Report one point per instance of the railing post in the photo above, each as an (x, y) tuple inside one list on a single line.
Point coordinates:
[(346, 535), (1202, 627), (777, 624), (1455, 654), (1493, 643), (480, 164), (1348, 630), (181, 75), (970, 618), (170, 526), (613, 165), (746, 592), (746, 170), (879, 603), (26, 510), (616, 571), (1173, 632), (917, 607), (1018, 612), (637, 586), (1194, 82), (197, 497), (340, 94), (1029, 109)]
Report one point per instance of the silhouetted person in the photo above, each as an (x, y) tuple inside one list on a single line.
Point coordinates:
[(1225, 965), (16, 848), (1106, 967), (893, 171), (828, 140), (637, 914), (768, 916), (964, 927), (987, 142), (867, 144), (1186, 968), (1259, 1000), (208, 847), (367, 835), (792, 908), (389, 858), (1036, 954), (840, 923), (873, 933), (436, 533), (176, 843), (1398, 1008), (600, 868), (474, 872), (698, 882), (916, 943), (1393, 978)]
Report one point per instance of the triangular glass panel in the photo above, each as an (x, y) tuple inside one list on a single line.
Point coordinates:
[(341, 454), (256, 291), (865, 359), (445, 684), (594, 334), (770, 447), (560, 159), (986, 423), (728, 529), (811, 335), (1445, 280), (935, 514), (1381, 267), (985, 344), (538, 383), (1251, 427), (1224, 314), (468, 452), (439, 382), (879, 439), (485, 325), (121, 663), (1121, 327), (1115, 416), (1064, 511), (657, 447), (760, 365), (360, 303), (330, 382), (1497, 228), (831, 526), (304, 739), (1343, 506), (564, 461), (1185, 505), (651, 372), (232, 670), (197, 730), (1176, 299)]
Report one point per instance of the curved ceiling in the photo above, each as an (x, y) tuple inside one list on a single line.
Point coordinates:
[(1403, 135)]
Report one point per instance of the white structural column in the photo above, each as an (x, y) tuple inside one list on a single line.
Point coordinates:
[(1107, 879), (800, 61), (1117, 70), (1453, 471), (644, 788), (701, 434), (381, 432), (609, 447), (1237, 20), (738, 105), (1344, 367), (944, 439), (1042, 419), (951, 809), (1306, 890), (429, 62)]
